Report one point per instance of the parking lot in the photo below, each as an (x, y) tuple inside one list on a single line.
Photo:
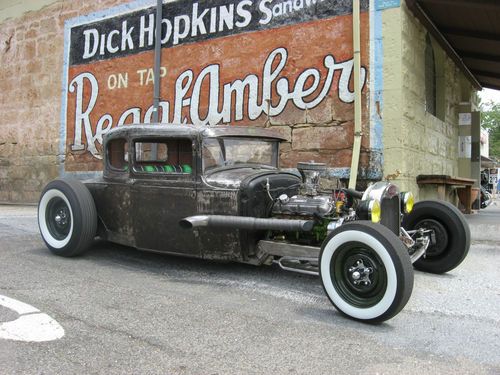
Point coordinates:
[(124, 311)]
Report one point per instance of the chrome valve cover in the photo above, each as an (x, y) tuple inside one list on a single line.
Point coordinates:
[(304, 205)]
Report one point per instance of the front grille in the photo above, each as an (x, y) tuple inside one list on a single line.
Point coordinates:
[(391, 216)]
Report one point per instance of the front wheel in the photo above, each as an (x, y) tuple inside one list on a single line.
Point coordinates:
[(366, 271), (450, 235)]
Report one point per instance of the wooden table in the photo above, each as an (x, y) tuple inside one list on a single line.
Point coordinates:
[(443, 180)]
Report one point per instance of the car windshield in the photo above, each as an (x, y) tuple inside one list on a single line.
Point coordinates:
[(234, 151)]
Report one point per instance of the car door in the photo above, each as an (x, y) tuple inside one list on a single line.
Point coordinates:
[(163, 193), (112, 194)]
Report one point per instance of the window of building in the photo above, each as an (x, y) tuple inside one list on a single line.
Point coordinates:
[(173, 156), (430, 77), (435, 79)]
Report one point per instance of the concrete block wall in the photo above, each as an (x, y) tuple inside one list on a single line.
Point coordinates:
[(415, 141), (31, 58)]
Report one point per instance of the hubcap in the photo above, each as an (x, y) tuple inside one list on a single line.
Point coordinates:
[(358, 274), (58, 218)]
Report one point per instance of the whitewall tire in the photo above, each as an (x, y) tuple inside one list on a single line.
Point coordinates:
[(67, 217), (366, 271)]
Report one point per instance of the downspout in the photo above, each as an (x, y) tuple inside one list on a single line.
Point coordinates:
[(156, 72), (356, 147), (156, 69)]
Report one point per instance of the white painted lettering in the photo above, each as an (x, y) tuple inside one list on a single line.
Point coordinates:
[(198, 23), (226, 17), (127, 41), (82, 119), (264, 9), (109, 45), (91, 43), (168, 30), (149, 29), (178, 34)]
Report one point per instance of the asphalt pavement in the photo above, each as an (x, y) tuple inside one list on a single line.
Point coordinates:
[(125, 311), (485, 225)]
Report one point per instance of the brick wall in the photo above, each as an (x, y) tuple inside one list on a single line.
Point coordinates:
[(31, 56), (31, 68)]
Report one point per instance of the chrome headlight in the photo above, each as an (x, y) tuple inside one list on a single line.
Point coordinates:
[(369, 210), (407, 201)]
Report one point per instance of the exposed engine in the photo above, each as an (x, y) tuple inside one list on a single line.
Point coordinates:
[(303, 205), (309, 202), (327, 210)]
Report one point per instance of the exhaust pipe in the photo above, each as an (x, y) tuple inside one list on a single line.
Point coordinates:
[(248, 223)]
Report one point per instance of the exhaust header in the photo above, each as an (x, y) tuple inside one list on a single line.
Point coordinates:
[(248, 223)]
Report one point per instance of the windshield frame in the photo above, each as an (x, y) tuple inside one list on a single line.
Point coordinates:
[(224, 164)]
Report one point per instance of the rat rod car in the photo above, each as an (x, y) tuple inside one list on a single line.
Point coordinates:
[(217, 193)]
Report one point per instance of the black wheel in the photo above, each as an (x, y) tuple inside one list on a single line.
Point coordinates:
[(67, 217), (366, 271), (451, 235)]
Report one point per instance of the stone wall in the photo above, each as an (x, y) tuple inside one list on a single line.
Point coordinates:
[(415, 141), (31, 59)]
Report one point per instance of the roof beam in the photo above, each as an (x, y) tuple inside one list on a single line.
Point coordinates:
[(424, 18), (471, 34), (478, 56), (486, 74), (478, 4), (491, 86)]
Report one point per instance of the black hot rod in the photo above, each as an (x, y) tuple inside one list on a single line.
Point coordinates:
[(218, 193)]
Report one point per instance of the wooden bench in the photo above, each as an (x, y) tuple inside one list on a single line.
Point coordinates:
[(442, 181)]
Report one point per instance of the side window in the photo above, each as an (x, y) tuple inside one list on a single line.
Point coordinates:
[(171, 156), (151, 152), (118, 154)]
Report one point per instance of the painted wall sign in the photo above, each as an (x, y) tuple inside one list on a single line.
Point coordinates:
[(223, 62), (465, 119)]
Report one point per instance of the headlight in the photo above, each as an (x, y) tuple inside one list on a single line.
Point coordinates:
[(375, 211), (407, 202), (369, 210)]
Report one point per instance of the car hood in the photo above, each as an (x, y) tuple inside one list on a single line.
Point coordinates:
[(233, 178)]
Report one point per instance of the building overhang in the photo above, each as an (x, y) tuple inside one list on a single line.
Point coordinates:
[(488, 163), (469, 32)]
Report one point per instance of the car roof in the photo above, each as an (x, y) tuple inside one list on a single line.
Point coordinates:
[(191, 131)]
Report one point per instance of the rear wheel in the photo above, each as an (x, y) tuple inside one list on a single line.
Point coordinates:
[(67, 217), (450, 235), (366, 271)]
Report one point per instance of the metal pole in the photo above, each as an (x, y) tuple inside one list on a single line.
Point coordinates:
[(156, 70), (356, 148)]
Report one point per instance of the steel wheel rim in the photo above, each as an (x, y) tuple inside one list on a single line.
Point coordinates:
[(343, 276), (439, 248), (58, 218)]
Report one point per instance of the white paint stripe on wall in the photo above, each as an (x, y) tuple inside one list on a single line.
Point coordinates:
[(31, 326)]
